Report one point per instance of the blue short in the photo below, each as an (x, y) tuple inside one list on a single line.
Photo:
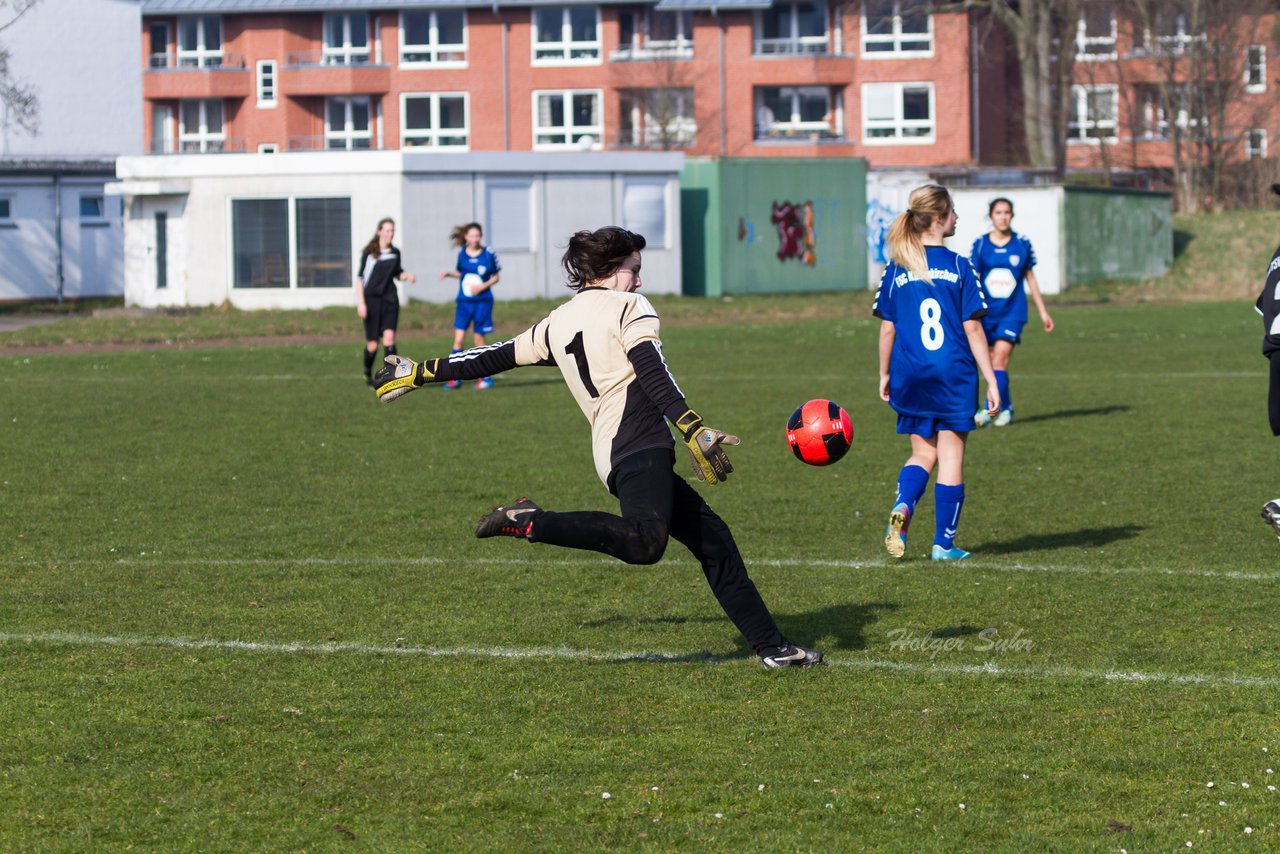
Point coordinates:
[(478, 314), (1002, 329), (929, 427)]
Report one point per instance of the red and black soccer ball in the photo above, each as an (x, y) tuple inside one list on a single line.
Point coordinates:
[(819, 432)]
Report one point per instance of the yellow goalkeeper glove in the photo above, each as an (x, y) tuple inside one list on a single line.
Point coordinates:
[(710, 462), (399, 376)]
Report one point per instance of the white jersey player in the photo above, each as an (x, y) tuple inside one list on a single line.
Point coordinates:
[(605, 341)]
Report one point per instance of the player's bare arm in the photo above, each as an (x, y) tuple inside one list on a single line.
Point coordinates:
[(982, 355), (1034, 287), (887, 335)]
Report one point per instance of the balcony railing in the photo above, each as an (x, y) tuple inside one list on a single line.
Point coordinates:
[(323, 58), (799, 134), (173, 62), (792, 47), (653, 52), (325, 143), (227, 145)]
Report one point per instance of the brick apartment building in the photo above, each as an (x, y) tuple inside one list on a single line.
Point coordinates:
[(731, 78), (1138, 82)]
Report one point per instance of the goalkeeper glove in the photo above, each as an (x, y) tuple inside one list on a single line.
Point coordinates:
[(400, 376), (710, 462)]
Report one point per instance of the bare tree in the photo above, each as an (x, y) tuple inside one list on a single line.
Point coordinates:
[(1199, 50), (1043, 33), (19, 99)]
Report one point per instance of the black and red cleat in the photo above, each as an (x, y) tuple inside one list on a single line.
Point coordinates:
[(514, 520)]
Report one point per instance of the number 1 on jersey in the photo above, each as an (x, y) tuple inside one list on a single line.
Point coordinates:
[(576, 349)]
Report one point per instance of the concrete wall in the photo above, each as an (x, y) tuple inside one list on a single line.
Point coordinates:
[(81, 56), (1037, 214), (426, 194), (772, 226)]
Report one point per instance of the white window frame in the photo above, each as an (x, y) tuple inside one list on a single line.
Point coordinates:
[(7, 219), (1260, 66), (569, 130), (268, 84), (292, 201), (431, 137), (792, 125), (566, 46), (346, 53), (1174, 44), (348, 135), (899, 123), (202, 56), (1084, 40), (895, 38), (434, 49), (201, 137), (1254, 150), (268, 148), (794, 44), (644, 46), (649, 134), (1079, 124)]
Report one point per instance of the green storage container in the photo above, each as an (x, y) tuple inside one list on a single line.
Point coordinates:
[(773, 225)]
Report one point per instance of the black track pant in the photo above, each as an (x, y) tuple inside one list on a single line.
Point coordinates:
[(1273, 395), (656, 504)]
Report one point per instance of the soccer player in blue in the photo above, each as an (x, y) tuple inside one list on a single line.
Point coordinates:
[(477, 271), (1003, 260), (931, 349)]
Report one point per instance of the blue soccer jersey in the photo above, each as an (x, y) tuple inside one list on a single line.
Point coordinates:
[(484, 265), (932, 372), (1002, 270)]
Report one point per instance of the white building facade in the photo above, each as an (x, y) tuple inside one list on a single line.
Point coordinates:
[(286, 230)]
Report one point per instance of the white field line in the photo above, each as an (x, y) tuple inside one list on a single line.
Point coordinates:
[(1212, 680), (754, 377), (973, 566)]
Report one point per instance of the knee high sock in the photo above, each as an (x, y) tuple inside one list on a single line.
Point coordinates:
[(912, 481), (1002, 385), (389, 350), (368, 360), (948, 501)]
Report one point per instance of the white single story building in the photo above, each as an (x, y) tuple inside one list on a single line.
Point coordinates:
[(286, 230)]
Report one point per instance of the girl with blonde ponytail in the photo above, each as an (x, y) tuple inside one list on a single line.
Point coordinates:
[(932, 346)]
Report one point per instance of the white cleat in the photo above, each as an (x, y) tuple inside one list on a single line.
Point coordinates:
[(1004, 418), (982, 419)]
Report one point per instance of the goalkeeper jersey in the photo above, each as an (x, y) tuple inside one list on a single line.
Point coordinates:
[(606, 345), (589, 338)]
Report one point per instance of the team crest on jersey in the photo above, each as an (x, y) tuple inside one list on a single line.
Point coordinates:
[(1015, 259)]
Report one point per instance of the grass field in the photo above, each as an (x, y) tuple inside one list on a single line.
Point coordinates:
[(243, 609)]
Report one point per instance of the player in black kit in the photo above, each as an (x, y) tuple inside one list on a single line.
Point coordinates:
[(377, 302), (605, 342), (1269, 307)]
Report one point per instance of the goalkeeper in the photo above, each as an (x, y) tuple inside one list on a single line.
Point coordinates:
[(605, 342)]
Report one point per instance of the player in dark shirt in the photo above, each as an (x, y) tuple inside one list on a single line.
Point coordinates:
[(377, 301), (1268, 306)]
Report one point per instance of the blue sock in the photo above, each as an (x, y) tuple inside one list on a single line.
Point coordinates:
[(947, 500), (912, 481), (1002, 385)]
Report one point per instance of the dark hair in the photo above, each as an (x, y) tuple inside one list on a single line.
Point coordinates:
[(997, 200), (596, 255), (372, 247), (459, 234)]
